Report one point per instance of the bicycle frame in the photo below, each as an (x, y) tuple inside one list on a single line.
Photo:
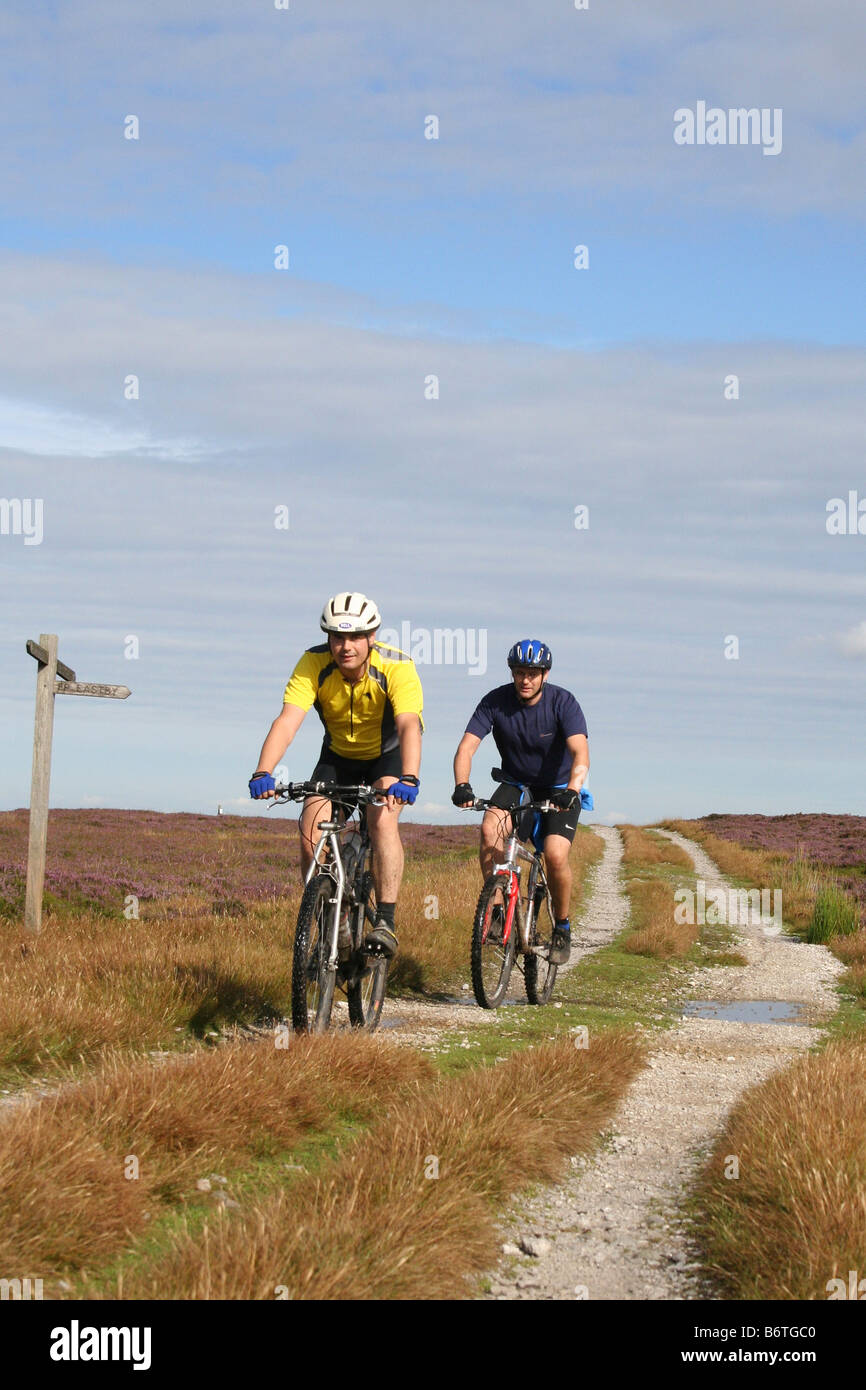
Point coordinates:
[(330, 838), (334, 869), (514, 851)]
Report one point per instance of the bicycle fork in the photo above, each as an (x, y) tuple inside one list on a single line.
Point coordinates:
[(513, 872)]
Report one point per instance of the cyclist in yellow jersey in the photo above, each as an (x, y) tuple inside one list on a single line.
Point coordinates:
[(370, 704)]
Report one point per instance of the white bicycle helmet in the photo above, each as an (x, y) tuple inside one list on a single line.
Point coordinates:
[(349, 613)]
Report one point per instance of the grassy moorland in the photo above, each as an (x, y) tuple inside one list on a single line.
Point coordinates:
[(829, 843), (818, 862), (343, 1166), (223, 864), (216, 901)]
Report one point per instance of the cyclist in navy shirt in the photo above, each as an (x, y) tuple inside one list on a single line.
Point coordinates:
[(540, 732)]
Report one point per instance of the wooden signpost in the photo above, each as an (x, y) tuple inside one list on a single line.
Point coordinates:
[(53, 678)]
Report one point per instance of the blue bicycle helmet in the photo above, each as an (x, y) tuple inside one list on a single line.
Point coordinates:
[(529, 652)]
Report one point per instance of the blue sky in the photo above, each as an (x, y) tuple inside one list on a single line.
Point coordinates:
[(558, 387)]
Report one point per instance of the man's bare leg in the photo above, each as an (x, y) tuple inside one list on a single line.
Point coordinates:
[(384, 823), (494, 832), (556, 848), (314, 810)]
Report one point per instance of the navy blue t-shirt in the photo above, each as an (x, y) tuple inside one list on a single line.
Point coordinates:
[(530, 738)]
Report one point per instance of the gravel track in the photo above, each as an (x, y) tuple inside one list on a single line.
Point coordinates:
[(615, 1228)]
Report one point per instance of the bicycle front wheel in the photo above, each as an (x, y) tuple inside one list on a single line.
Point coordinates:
[(312, 980), (365, 988), (539, 974), (492, 959)]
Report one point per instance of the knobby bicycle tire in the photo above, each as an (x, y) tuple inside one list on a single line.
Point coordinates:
[(312, 981), (491, 961), (365, 991), (539, 974)]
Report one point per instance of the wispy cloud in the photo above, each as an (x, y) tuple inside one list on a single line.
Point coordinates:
[(543, 100), (853, 642), (32, 427)]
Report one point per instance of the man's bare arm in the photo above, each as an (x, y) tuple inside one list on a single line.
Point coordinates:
[(578, 747), (409, 733), (280, 735), (466, 750)]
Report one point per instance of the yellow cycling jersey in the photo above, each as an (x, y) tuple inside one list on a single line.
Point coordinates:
[(359, 719)]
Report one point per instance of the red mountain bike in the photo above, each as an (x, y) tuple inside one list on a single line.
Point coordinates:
[(509, 924)]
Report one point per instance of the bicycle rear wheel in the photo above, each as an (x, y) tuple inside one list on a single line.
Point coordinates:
[(365, 988), (539, 974), (492, 960), (312, 980)]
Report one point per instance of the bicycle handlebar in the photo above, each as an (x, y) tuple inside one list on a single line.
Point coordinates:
[(481, 804), (333, 791)]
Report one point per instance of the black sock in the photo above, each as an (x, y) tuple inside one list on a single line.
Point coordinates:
[(385, 911), (563, 922)]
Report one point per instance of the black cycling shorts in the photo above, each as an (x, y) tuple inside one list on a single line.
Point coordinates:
[(350, 771), (552, 822)]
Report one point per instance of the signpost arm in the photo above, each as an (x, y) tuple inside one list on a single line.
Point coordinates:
[(39, 787)]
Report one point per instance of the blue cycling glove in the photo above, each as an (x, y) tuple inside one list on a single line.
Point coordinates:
[(404, 791), (261, 783), (586, 801)]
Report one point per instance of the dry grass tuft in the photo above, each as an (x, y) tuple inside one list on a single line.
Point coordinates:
[(375, 1225), (642, 848), (796, 1215), (90, 984), (854, 981), (655, 932), (726, 958), (433, 950), (65, 1202), (851, 949)]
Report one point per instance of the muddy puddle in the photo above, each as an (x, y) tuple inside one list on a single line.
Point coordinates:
[(746, 1010)]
